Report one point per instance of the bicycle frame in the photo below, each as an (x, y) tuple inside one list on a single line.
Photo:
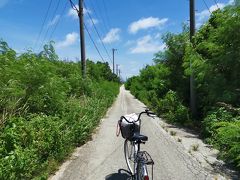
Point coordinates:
[(140, 158)]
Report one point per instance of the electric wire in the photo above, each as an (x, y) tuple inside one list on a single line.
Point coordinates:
[(216, 3), (99, 7), (44, 21), (95, 45), (103, 30), (207, 6), (74, 6), (89, 15), (53, 16), (93, 42), (106, 13), (57, 23), (98, 16)]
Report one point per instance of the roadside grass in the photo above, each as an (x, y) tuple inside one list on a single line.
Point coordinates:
[(173, 133), (195, 147), (47, 109), (179, 140)]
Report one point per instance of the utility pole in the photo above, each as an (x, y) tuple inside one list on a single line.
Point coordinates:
[(113, 51), (82, 38), (117, 69), (237, 3), (192, 87), (192, 19)]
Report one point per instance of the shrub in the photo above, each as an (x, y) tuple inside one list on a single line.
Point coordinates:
[(46, 109), (222, 129), (173, 109)]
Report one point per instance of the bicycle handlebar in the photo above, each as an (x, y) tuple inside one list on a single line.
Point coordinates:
[(147, 111)]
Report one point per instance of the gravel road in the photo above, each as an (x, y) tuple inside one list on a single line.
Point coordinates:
[(103, 157)]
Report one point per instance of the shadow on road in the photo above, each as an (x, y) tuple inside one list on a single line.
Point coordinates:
[(121, 175)]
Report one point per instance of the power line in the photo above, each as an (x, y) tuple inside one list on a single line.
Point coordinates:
[(94, 9), (74, 6), (207, 6), (216, 4), (101, 15), (93, 42), (103, 30), (57, 23), (54, 14), (106, 13), (45, 18), (98, 33)]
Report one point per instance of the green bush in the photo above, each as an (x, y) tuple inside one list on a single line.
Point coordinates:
[(212, 58), (46, 110), (172, 108), (227, 139), (222, 129)]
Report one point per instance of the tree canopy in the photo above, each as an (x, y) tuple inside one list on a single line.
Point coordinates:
[(214, 61)]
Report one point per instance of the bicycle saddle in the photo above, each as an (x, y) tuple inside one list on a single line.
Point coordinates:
[(139, 137)]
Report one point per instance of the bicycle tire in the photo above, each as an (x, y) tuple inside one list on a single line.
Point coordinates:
[(129, 150), (139, 174), (142, 172)]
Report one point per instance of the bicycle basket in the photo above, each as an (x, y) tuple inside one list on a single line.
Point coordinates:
[(128, 129)]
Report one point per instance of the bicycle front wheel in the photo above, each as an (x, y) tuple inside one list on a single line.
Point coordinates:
[(130, 150)]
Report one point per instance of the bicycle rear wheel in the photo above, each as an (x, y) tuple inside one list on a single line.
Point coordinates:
[(130, 150), (142, 173)]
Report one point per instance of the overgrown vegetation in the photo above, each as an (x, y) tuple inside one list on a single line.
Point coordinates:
[(47, 109), (215, 64)]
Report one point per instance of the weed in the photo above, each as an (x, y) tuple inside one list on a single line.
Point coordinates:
[(195, 147), (190, 151), (173, 133)]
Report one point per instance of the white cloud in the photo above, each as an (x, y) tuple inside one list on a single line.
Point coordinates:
[(112, 36), (147, 44), (73, 13), (146, 23), (70, 39), (231, 2), (3, 3), (54, 21), (204, 15)]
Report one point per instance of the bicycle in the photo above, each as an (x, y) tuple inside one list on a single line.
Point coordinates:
[(137, 160)]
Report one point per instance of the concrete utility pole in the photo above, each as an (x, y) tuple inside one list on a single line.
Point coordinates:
[(192, 19), (82, 38), (192, 32), (237, 3), (117, 69), (113, 51)]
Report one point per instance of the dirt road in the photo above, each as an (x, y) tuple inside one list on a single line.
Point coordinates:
[(103, 158)]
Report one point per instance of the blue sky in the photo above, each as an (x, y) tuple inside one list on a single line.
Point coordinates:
[(133, 27)]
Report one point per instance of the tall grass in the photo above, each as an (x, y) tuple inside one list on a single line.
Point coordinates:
[(47, 109)]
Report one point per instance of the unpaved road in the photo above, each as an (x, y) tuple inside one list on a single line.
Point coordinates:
[(103, 157)]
